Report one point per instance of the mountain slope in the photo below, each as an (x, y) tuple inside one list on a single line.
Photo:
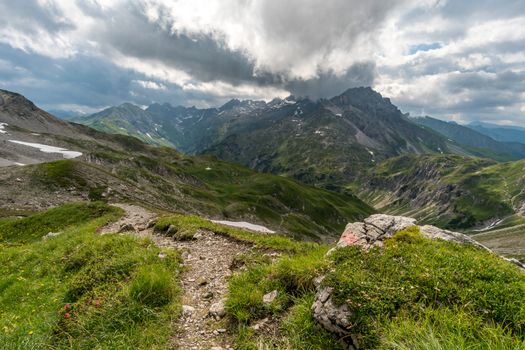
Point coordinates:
[(329, 142), (122, 168), (478, 143), (450, 191), (325, 143), (500, 132), (126, 119)]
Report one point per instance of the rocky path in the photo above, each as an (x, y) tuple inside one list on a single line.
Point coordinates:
[(207, 260)]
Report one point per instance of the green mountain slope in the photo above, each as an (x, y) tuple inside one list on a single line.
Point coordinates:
[(473, 194), (477, 143), (330, 142), (326, 143), (126, 119), (118, 167)]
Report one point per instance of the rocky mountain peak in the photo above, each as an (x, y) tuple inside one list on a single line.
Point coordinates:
[(14, 101), (364, 98)]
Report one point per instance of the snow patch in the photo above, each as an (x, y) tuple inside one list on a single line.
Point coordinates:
[(50, 149), (19, 164), (243, 224), (2, 126)]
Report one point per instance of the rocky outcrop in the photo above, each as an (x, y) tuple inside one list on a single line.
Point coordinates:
[(367, 234), (376, 228)]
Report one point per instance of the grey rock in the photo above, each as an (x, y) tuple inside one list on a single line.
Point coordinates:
[(151, 223), (126, 228), (217, 310), (172, 229), (187, 310), (270, 297), (50, 235)]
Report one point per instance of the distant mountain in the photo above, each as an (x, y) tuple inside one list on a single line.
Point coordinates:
[(504, 133), (476, 142), (127, 119), (325, 143)]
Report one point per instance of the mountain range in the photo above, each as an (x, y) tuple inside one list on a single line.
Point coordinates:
[(122, 241), (475, 141), (354, 144), (45, 161), (325, 143)]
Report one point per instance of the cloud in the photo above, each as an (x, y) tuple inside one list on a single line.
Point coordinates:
[(452, 58)]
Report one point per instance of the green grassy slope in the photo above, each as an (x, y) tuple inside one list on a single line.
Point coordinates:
[(80, 290), (466, 191), (163, 178), (413, 294)]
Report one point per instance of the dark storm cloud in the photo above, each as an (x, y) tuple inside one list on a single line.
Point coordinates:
[(330, 84), (86, 81), (202, 57), (275, 47)]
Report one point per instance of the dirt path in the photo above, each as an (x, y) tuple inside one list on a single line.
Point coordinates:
[(207, 260)]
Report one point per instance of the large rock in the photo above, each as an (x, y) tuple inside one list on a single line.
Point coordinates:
[(369, 233)]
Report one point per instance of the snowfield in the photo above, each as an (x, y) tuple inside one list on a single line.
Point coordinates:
[(243, 224), (50, 149)]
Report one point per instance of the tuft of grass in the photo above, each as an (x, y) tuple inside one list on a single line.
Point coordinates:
[(81, 290), (293, 277), (446, 329), (60, 173), (153, 286)]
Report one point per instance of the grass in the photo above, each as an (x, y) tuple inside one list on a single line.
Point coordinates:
[(80, 290), (414, 293), (187, 225), (418, 283), (293, 277), (61, 173), (164, 178), (57, 219)]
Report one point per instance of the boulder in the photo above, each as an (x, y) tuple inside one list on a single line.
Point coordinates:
[(50, 235), (187, 310)]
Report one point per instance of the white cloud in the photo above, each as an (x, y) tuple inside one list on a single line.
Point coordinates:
[(148, 84), (263, 48)]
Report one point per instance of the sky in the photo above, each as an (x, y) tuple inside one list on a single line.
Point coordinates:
[(460, 60)]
